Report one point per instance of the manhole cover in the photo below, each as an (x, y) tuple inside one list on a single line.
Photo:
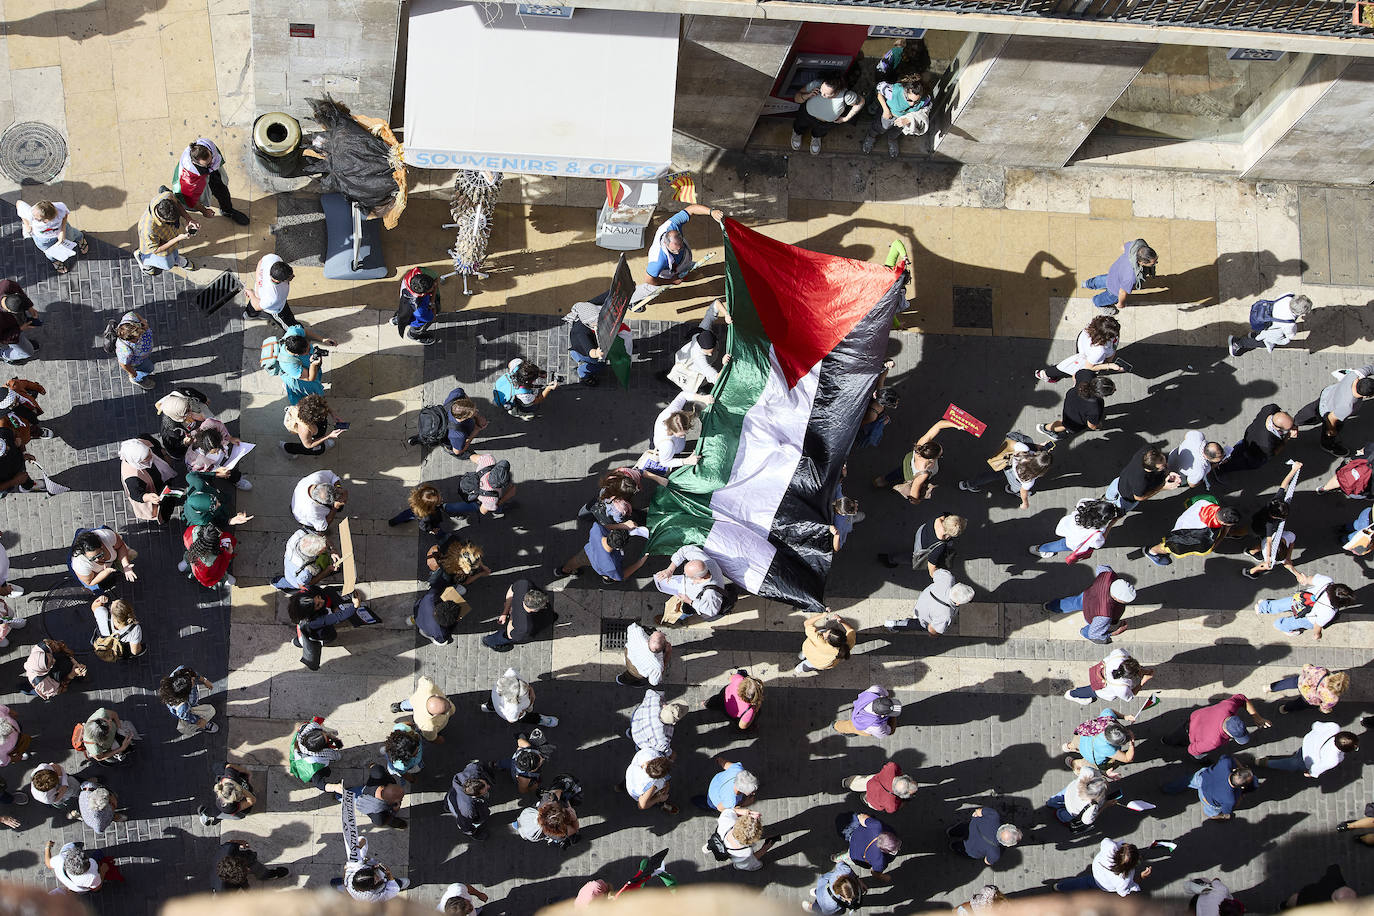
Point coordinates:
[(613, 633), (32, 151), (973, 307)]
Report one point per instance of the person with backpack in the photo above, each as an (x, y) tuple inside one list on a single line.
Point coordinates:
[(418, 306), (467, 798), (701, 588), (1354, 478), (314, 749), (518, 392), (454, 425), (119, 635), (234, 796), (1273, 323), (485, 491), (1119, 676), (1312, 608), (300, 365), (1102, 604)]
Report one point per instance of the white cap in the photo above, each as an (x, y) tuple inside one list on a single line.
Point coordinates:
[(1123, 591)]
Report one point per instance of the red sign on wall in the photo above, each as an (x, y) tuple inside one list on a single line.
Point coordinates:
[(302, 30)]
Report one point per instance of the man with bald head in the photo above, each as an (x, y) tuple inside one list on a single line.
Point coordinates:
[(1266, 435), (700, 586), (430, 708), (670, 257)]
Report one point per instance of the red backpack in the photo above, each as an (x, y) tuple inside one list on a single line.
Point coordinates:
[(1354, 477)]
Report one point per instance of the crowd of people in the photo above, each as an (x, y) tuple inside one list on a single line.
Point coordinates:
[(181, 476)]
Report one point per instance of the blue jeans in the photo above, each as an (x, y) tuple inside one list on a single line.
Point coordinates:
[(1066, 605), (1194, 782), (1104, 299), (143, 369), (166, 261), (1293, 763), (1287, 683), (586, 365), (1056, 804), (1077, 883), (1059, 546), (1362, 520), (44, 242), (1113, 496), (1285, 624)]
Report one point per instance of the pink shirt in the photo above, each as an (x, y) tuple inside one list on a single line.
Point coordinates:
[(736, 708), (7, 745), (483, 462)]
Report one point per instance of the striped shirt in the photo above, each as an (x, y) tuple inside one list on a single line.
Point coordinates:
[(647, 727), (153, 233)]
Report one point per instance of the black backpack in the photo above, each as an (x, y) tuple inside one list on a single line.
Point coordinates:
[(470, 483), (435, 423)]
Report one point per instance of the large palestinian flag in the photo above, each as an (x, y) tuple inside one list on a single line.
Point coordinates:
[(808, 341)]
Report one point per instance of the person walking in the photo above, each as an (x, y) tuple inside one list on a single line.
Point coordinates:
[(201, 169), (14, 743), (885, 790), (902, 102), (300, 365), (238, 862), (512, 699), (1273, 323), (97, 807), (234, 796), (829, 638), (824, 103), (1323, 748), (160, 235), (418, 307), (914, 477), (871, 844), (1316, 686), (79, 870), (739, 700), (1219, 787), (1114, 870), (1146, 474), (271, 287), (1213, 727), (314, 749), (429, 707), (48, 223), (646, 781), (527, 612), (1336, 403), (936, 605), (1085, 406), (379, 797), (733, 786), (17, 315), (741, 832), (1102, 604), (647, 654), (1195, 459), (1117, 677), (871, 714), (1127, 274), (1020, 465), (1196, 532), (837, 891), (180, 692), (1102, 740), (1082, 531), (1094, 350), (133, 349), (1079, 805), (366, 879), (1313, 607), (931, 546), (652, 723), (1264, 438), (983, 836)]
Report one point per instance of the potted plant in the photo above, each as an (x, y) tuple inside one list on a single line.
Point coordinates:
[(1363, 14)]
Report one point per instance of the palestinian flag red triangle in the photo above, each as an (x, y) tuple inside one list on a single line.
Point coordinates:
[(807, 302)]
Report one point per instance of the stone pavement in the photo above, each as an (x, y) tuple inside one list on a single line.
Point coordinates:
[(163, 849)]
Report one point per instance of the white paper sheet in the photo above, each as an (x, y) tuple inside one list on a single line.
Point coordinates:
[(243, 448)]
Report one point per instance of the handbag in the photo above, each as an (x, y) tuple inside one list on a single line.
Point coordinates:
[(715, 845), (1097, 677), (1359, 542), (1002, 460), (110, 648), (1082, 551)]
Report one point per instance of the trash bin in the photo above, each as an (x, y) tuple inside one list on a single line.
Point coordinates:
[(277, 143)]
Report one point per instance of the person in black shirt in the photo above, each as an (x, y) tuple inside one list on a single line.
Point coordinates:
[(467, 798), (237, 861), (1084, 406), (1144, 475), (528, 610), (1266, 435), (931, 545)]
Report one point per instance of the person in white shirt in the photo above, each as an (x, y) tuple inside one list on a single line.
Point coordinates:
[(692, 362), (1084, 528), (267, 298), (1116, 677), (1312, 608), (512, 698), (48, 223), (671, 427), (317, 499), (458, 899), (1195, 458), (1113, 871), (1095, 348), (1211, 894), (646, 657), (1288, 312), (646, 780), (701, 584), (1323, 748), (742, 831), (78, 870)]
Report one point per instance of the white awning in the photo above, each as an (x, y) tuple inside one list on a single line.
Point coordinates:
[(590, 96)]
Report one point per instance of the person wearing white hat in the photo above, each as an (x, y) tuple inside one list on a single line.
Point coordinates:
[(1102, 605)]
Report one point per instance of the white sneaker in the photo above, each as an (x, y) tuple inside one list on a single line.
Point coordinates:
[(890, 624), (243, 483), (228, 581), (1068, 695), (796, 140), (548, 721), (182, 567), (1257, 608), (15, 590), (815, 145), (17, 623)]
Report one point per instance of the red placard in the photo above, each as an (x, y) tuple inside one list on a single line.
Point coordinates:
[(965, 421), (302, 29)]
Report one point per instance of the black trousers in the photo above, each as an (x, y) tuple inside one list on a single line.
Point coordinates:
[(221, 191)]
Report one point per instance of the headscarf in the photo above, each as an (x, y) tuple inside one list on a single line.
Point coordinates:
[(136, 452)]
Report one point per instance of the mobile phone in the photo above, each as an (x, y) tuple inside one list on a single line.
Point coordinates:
[(341, 425)]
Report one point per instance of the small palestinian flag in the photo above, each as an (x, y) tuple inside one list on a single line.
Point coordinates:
[(809, 338), (651, 867), (1151, 702)]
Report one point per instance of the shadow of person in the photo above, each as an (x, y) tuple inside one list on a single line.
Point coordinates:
[(1331, 326), (1248, 273)]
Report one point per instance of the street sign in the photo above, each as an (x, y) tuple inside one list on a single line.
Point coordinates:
[(1253, 54), (547, 10), (895, 31)]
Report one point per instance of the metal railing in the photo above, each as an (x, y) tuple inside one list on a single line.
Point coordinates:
[(1330, 18)]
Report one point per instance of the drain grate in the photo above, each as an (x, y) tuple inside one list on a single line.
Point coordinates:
[(613, 634), (32, 152), (973, 307), (224, 288)]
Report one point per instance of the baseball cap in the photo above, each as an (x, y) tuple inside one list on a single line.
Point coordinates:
[(885, 706), (1123, 591), (1234, 727)]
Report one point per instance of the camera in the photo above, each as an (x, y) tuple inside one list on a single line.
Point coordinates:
[(559, 379), (321, 352), (192, 228)]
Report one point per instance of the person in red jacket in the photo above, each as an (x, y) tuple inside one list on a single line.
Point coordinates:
[(885, 790), (1102, 604), (209, 551), (1212, 727), (200, 169)]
